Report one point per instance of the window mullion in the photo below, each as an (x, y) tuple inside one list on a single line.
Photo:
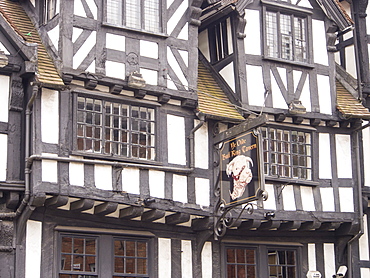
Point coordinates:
[(279, 36), (294, 58)]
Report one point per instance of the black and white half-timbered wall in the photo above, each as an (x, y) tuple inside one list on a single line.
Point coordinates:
[(170, 138)]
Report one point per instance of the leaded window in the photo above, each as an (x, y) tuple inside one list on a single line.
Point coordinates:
[(287, 153), (282, 263), (286, 36), (241, 262), (114, 128), (137, 14)]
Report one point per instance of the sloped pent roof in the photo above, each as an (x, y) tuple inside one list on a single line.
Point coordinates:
[(17, 18)]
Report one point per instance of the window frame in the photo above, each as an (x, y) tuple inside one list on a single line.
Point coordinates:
[(120, 100), (105, 250), (160, 29), (293, 11), (221, 39)]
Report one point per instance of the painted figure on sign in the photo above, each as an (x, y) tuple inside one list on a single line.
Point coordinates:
[(240, 170)]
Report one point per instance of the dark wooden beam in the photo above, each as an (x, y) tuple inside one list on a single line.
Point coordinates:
[(250, 224), (177, 218), (105, 208), (269, 225), (327, 226), (201, 224), (131, 212), (56, 201), (12, 200), (290, 225), (152, 215), (81, 205), (310, 225)]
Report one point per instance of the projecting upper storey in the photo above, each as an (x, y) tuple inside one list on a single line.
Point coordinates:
[(276, 54)]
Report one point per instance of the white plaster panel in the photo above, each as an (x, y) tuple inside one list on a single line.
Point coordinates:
[(176, 67), (202, 191), (185, 56), (288, 198), (351, 61), (343, 152), (49, 116), (203, 44), (252, 41), (115, 42), (84, 50), (91, 68), (283, 75), (156, 183), (229, 36), (79, 8), (176, 139), (207, 260), (93, 8), (3, 156), (365, 272), (184, 33), (76, 173), (366, 158), (131, 180), (327, 199), (172, 22), (256, 88), (311, 249), (324, 157), (278, 100), (320, 52), (49, 169), (346, 200), (76, 33), (150, 76), (33, 249), (149, 49), (114, 69), (270, 203), (54, 36), (364, 242), (201, 146), (228, 74), (180, 188), (308, 202), (325, 102), (186, 259), (103, 177), (329, 259), (306, 95), (4, 49), (305, 3), (164, 258)]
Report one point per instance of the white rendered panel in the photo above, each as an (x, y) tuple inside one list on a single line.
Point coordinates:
[(329, 259), (305, 97), (79, 8), (365, 272), (54, 36), (327, 199), (252, 41), (343, 152), (201, 146), (184, 33), (270, 203), (84, 50), (203, 44), (131, 180), (288, 198), (305, 3), (76, 33), (186, 259), (308, 202), (164, 257), (176, 139), (50, 116), (180, 188), (93, 8), (149, 49), (346, 199), (351, 61), (103, 177), (364, 241), (311, 248), (283, 75), (319, 42), (278, 100), (114, 69), (91, 68), (202, 191), (3, 156), (115, 42), (366, 158), (49, 169), (325, 102), (4, 49), (229, 36), (172, 22), (325, 156), (228, 74), (256, 88), (156, 183), (76, 173), (185, 56), (33, 249), (207, 260), (150, 76), (176, 67)]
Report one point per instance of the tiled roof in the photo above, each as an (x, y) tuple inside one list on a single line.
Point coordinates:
[(212, 100), (348, 105), (17, 18)]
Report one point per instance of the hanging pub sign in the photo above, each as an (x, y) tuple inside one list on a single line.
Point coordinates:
[(240, 176)]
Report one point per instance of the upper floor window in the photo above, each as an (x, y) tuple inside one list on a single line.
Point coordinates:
[(287, 153), (221, 40), (286, 36), (114, 128), (51, 9), (137, 14)]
